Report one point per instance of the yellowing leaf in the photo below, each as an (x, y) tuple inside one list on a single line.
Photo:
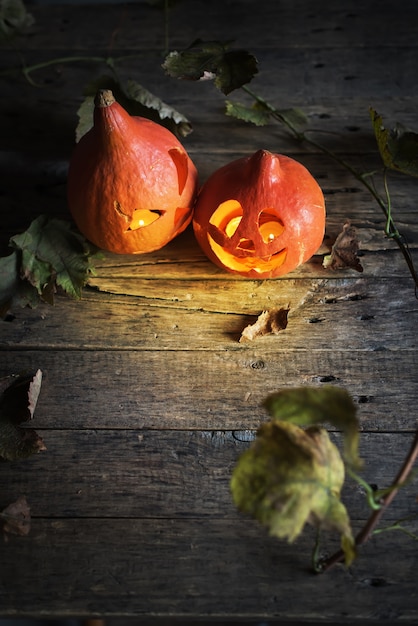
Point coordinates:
[(398, 146), (14, 18), (290, 477), (306, 406)]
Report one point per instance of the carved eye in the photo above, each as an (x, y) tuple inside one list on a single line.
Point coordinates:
[(270, 226)]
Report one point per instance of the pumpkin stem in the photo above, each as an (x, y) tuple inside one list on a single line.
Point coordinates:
[(104, 98)]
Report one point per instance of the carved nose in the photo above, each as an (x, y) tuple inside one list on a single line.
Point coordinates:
[(246, 244)]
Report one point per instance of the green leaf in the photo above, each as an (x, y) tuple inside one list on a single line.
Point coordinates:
[(53, 252), (14, 18), (203, 60), (294, 117), (48, 254), (13, 290), (257, 114), (235, 69), (18, 398), (137, 101), (260, 114), (290, 477), (398, 147), (198, 61), (306, 406)]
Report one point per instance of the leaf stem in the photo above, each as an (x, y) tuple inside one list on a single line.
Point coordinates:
[(373, 503), (28, 69), (38, 66), (368, 529), (166, 28), (315, 551), (397, 526)]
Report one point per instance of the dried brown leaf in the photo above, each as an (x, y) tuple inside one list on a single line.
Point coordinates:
[(268, 322), (344, 251), (18, 399), (16, 518)]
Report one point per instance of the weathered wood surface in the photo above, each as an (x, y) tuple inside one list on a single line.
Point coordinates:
[(142, 465), (148, 396)]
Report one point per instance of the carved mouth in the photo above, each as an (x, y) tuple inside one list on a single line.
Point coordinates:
[(240, 255), (248, 263)]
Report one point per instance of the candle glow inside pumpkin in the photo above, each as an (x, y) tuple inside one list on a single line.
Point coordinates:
[(260, 216)]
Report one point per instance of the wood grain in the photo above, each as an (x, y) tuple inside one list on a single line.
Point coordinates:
[(210, 389), (195, 564), (142, 473), (163, 314)]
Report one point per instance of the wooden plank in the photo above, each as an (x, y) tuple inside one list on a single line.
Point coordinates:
[(378, 77), (184, 568), (214, 389), (105, 473), (342, 130), (206, 314), (183, 261), (338, 25), (300, 76)]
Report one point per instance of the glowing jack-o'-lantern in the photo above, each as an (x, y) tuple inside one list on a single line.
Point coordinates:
[(260, 216), (131, 184)]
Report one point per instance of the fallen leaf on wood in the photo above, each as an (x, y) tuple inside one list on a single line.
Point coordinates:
[(268, 322), (18, 398), (16, 518), (344, 251), (49, 255)]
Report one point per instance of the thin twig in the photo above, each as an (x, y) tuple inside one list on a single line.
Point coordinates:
[(368, 529), (109, 60)]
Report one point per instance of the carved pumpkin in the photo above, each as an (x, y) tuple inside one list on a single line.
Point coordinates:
[(260, 216), (131, 184)]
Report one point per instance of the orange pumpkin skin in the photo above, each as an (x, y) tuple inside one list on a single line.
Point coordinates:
[(131, 185), (260, 216)]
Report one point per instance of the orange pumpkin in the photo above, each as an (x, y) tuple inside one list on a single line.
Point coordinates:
[(131, 184), (260, 216)]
